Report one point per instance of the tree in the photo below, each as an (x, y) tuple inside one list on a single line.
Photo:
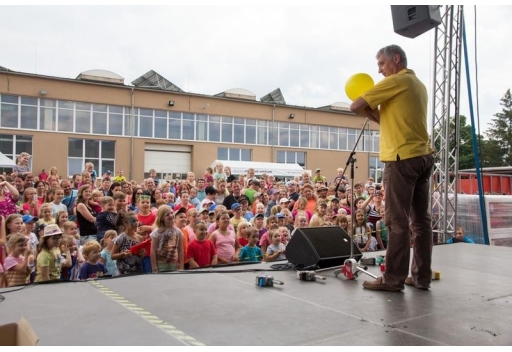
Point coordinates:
[(500, 132), (465, 144), (466, 154), (492, 154)]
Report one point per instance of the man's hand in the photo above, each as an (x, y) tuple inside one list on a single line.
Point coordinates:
[(361, 108)]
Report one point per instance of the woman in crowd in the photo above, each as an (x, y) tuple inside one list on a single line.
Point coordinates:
[(85, 214), (229, 176)]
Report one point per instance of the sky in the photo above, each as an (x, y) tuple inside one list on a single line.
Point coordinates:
[(308, 51)]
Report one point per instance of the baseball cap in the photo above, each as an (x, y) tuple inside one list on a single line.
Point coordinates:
[(284, 200), (323, 188), (205, 210), (318, 170), (255, 182), (180, 210), (235, 206), (280, 216), (52, 230), (40, 227), (108, 172), (335, 200), (29, 218), (212, 207), (243, 198), (259, 215)]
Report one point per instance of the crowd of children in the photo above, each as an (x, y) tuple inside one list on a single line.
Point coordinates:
[(92, 227)]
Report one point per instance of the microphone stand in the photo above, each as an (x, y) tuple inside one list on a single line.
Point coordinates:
[(351, 161)]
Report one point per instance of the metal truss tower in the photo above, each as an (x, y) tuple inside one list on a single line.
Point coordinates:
[(445, 121)]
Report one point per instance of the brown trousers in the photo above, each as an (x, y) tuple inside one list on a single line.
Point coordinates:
[(406, 185)]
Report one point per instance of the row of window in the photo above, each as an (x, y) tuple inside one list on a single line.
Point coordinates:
[(102, 154), (68, 116)]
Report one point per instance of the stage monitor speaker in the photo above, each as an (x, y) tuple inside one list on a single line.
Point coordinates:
[(324, 247), (413, 20)]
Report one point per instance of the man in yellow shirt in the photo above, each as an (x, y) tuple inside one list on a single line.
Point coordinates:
[(399, 104)]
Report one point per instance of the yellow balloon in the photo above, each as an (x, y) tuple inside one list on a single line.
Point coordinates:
[(357, 85)]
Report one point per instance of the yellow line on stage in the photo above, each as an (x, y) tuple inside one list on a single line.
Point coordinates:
[(149, 317)]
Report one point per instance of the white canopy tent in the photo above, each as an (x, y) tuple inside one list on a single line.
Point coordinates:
[(6, 161), (276, 169)]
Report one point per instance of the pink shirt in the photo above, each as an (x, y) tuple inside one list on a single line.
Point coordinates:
[(14, 278), (7, 206), (225, 245)]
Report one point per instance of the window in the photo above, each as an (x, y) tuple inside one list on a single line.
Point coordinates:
[(238, 131), (227, 130), (160, 124), (201, 127), (374, 141), (65, 116), (9, 111), (115, 120), (342, 138), (146, 122), (315, 137), (376, 168), (188, 127), (304, 136), (234, 154), (28, 113), (324, 137), (333, 138), (352, 135), (288, 157), (284, 134), (175, 125), (13, 145), (100, 152), (214, 129), (99, 118), (262, 132), (294, 135), (250, 131), (88, 118)]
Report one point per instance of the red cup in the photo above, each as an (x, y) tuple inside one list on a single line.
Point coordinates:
[(383, 268)]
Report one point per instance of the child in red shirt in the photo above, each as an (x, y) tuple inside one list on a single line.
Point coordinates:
[(201, 251), (146, 220)]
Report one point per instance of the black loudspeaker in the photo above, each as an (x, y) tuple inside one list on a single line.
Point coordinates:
[(324, 247), (413, 20)]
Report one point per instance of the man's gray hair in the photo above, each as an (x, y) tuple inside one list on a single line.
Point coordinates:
[(391, 50)]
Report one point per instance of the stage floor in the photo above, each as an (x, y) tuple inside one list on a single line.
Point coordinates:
[(467, 306)]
